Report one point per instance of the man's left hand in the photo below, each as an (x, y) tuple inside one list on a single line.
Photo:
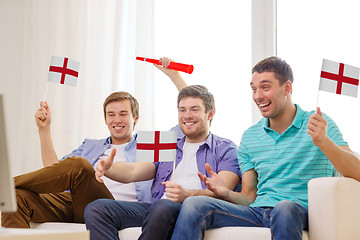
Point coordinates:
[(175, 192), (317, 128)]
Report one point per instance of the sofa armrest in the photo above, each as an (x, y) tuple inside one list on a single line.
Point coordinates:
[(334, 212)]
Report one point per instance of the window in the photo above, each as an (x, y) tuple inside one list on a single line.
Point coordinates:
[(214, 36), (307, 32)]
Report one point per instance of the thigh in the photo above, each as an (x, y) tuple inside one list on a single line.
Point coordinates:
[(160, 220), (130, 214), (121, 213), (200, 213), (288, 212), (52, 207), (218, 213)]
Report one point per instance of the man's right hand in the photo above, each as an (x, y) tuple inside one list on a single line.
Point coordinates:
[(215, 183), (104, 165), (172, 74), (164, 67), (43, 116)]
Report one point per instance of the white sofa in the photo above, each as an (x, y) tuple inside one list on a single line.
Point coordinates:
[(334, 214)]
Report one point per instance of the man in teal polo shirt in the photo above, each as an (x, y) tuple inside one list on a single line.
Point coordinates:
[(277, 158)]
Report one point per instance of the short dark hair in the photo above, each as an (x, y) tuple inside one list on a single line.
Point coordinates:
[(279, 67), (121, 96), (200, 92)]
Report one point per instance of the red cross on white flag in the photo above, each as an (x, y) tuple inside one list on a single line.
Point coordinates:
[(339, 78), (156, 146), (63, 70)]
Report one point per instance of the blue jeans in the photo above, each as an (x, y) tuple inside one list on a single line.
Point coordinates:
[(105, 217), (286, 220), (160, 220)]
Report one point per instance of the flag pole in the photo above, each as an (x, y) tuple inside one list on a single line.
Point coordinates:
[(46, 90), (173, 175), (317, 99)]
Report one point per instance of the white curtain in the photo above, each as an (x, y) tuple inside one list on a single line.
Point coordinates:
[(104, 36)]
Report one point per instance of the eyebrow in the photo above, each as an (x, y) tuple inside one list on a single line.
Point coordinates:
[(123, 111), (196, 106), (261, 82)]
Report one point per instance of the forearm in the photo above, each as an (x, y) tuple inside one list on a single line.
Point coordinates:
[(240, 198), (120, 172), (48, 154), (178, 81), (248, 190), (201, 192), (342, 158), (233, 197), (131, 172)]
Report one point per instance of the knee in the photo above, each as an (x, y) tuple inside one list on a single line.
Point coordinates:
[(23, 196), (193, 205), (163, 208), (286, 205), (285, 209), (94, 212), (79, 164)]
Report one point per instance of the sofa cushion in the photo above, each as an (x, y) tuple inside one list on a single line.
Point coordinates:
[(248, 233)]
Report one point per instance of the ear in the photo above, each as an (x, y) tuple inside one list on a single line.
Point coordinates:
[(135, 122), (288, 87), (211, 114)]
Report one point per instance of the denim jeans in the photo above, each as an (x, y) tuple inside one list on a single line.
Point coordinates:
[(105, 217), (160, 220), (286, 220)]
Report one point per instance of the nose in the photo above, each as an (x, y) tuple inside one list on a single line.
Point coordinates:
[(257, 95), (117, 119)]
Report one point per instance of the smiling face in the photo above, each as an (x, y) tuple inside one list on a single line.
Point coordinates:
[(120, 121), (271, 97), (193, 120)]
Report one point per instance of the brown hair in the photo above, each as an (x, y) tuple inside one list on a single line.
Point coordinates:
[(279, 67), (121, 96), (201, 92)]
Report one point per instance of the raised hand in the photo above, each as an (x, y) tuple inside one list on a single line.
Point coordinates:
[(317, 128), (165, 63), (43, 116), (172, 74), (104, 165), (215, 183)]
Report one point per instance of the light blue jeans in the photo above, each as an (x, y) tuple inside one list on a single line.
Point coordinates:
[(286, 220)]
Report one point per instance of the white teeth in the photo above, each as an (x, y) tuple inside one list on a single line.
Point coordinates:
[(118, 127), (187, 123), (264, 104)]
